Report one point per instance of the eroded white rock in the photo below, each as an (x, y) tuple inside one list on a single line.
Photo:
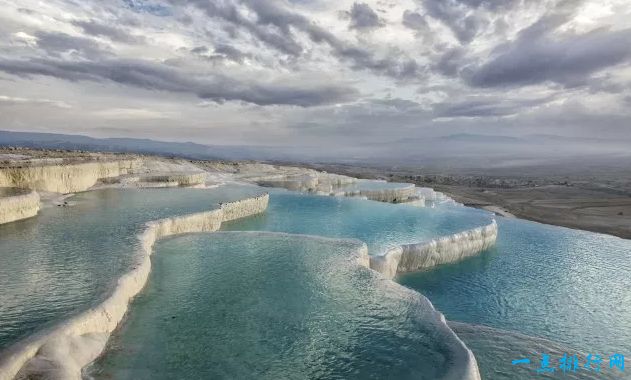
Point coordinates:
[(448, 249), (63, 350), (19, 206)]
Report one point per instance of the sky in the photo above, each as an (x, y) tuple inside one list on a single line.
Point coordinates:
[(318, 73)]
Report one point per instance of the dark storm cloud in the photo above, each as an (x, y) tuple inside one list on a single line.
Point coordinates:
[(414, 20), (363, 17), (561, 12), (200, 50), (568, 60), (150, 76), (452, 13), (221, 53), (95, 28), (231, 53), (450, 62), (467, 18), (418, 23), (55, 44), (271, 27), (400, 68)]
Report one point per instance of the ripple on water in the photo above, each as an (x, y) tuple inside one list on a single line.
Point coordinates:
[(380, 225), (269, 306), (495, 350), (65, 259), (564, 285)]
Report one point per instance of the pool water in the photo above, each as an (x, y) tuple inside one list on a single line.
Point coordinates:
[(67, 258), (243, 305), (540, 288), (495, 350), (272, 306), (379, 225), (564, 285)]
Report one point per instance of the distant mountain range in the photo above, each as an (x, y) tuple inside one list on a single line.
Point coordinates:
[(452, 151), (188, 150)]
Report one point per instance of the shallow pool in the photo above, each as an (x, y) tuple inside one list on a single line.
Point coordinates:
[(269, 306), (379, 225), (66, 258), (568, 286)]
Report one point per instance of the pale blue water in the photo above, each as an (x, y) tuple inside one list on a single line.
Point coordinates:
[(379, 225), (564, 285), (568, 286), (252, 306), (65, 259), (495, 349)]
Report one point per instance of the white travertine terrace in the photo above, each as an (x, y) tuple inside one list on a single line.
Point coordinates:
[(310, 181), (430, 194), (401, 194), (63, 350), (19, 206), (464, 365), (64, 178), (448, 249), (313, 181), (178, 179), (329, 184), (183, 179)]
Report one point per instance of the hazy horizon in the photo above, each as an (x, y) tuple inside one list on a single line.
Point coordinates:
[(535, 155)]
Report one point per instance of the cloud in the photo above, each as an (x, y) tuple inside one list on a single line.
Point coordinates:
[(151, 76), (132, 114), (57, 44), (568, 60), (455, 14), (394, 65), (486, 106), (13, 101), (150, 7), (414, 20), (24, 38), (468, 18), (275, 26), (451, 62), (95, 28), (493, 5), (271, 25), (222, 53), (363, 17), (258, 68)]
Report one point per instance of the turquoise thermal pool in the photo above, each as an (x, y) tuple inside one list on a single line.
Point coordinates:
[(379, 225), (240, 304), (567, 286), (269, 306), (66, 259)]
